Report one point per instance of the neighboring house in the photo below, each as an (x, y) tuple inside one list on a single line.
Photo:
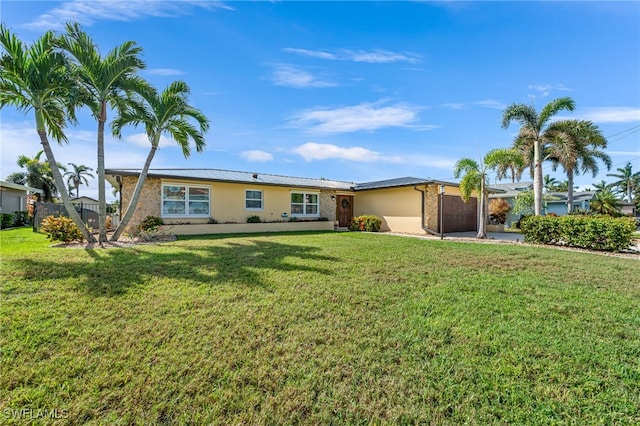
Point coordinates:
[(195, 196), (509, 192), (556, 202), (629, 209), (86, 202), (15, 197)]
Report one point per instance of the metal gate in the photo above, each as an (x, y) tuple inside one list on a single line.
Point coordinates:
[(460, 216)]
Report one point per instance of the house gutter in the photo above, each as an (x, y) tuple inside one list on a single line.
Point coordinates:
[(424, 228)]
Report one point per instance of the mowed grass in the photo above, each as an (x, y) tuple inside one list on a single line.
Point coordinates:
[(319, 328)]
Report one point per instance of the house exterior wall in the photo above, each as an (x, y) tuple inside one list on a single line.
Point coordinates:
[(12, 200), (227, 201), (399, 208)]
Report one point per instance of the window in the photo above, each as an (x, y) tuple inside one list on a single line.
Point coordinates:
[(179, 200), (253, 199), (304, 204)]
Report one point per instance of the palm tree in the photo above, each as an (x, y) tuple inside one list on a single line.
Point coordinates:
[(606, 202), (576, 145), (37, 174), (550, 183), (36, 78), (105, 81), (628, 182), (513, 164), (78, 176), (533, 130), (474, 178), (161, 113), (601, 186)]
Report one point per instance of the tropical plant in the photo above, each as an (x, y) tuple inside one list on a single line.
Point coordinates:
[(168, 113), (474, 178), (106, 82), (498, 209), (512, 164), (628, 182), (36, 78), (534, 132), (524, 203), (576, 145), (550, 184), (601, 186), (77, 177), (37, 174), (605, 202)]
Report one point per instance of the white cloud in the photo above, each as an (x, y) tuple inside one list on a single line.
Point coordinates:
[(164, 71), (609, 114), (363, 117), (370, 56), (290, 76), (322, 151), (545, 89), (490, 103), (87, 12), (312, 151), (256, 155)]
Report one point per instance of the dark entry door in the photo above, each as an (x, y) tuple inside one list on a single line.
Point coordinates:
[(344, 210), (460, 216)]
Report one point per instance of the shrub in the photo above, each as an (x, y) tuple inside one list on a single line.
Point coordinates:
[(254, 219), (498, 209), (108, 222), (60, 228), (369, 223), (6, 220), (150, 224), (21, 219), (595, 233)]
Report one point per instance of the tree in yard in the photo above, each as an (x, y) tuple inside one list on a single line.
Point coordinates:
[(36, 78), (628, 182), (550, 184), (601, 186), (37, 174), (512, 164), (78, 176), (106, 81), (606, 202), (167, 113), (576, 145), (474, 178), (534, 132)]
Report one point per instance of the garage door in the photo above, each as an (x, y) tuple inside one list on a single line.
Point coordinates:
[(460, 216)]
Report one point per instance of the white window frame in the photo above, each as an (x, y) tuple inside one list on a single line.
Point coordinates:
[(186, 200), (304, 204), (261, 199)]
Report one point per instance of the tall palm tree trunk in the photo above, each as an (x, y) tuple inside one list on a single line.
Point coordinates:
[(57, 176), (135, 196), (569, 191), (102, 199), (537, 177), (482, 221)]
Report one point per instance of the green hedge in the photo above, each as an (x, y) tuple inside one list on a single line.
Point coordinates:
[(6, 220), (590, 232), (369, 223)]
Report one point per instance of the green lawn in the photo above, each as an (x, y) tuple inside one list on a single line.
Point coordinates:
[(318, 328)]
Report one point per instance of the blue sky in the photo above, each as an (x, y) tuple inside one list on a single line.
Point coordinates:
[(354, 91)]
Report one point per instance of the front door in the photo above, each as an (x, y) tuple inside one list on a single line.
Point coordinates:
[(344, 210)]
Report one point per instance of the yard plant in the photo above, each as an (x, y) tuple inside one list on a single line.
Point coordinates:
[(318, 328)]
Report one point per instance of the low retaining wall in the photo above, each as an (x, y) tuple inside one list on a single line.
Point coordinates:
[(244, 228)]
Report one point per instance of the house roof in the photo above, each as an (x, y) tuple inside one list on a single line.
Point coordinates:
[(561, 197), (391, 183), (238, 177), (19, 187), (511, 189)]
